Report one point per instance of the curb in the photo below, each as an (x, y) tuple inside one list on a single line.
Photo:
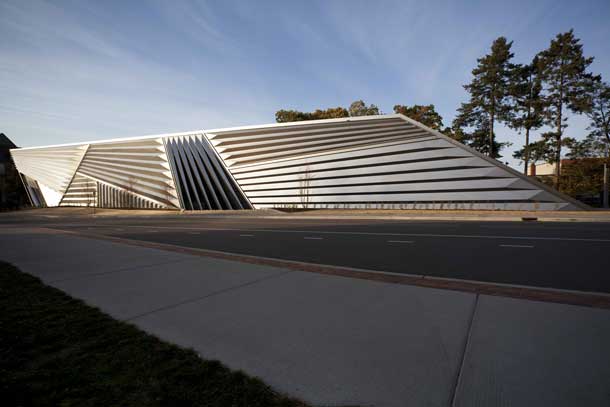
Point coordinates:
[(587, 299), (438, 218)]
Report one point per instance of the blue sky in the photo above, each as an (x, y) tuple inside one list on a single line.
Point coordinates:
[(76, 70)]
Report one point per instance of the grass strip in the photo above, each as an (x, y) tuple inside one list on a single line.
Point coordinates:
[(58, 351)]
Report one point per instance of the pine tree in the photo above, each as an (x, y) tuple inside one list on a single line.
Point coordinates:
[(600, 115), (489, 95), (528, 108), (563, 72), (537, 151), (424, 114), (478, 138), (589, 147)]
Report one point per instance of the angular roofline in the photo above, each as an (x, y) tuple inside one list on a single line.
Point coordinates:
[(7, 142), (303, 123), (505, 167), (114, 140), (216, 130), (338, 120)]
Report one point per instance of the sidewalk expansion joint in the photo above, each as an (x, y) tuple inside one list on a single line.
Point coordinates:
[(120, 270), (203, 297), (465, 351)]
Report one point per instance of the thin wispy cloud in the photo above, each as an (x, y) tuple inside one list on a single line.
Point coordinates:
[(83, 70)]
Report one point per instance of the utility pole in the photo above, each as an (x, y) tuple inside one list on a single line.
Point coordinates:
[(605, 198)]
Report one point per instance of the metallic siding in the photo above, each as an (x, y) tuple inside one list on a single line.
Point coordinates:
[(202, 180), (371, 163), (368, 162)]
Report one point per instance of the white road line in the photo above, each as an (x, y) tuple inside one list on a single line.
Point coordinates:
[(313, 238), (327, 232), (246, 235), (517, 245), (400, 241), (195, 233)]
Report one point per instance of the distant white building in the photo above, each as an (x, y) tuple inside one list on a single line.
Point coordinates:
[(541, 170)]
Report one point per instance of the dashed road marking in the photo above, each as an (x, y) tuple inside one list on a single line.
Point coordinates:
[(313, 238), (247, 235), (400, 241), (397, 235), (521, 246)]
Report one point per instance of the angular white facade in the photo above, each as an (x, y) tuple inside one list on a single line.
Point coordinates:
[(371, 162)]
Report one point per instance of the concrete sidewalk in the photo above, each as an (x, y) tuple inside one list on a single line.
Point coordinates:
[(334, 340)]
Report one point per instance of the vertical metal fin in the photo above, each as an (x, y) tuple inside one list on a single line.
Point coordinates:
[(202, 181)]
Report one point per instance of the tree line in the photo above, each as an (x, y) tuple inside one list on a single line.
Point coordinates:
[(524, 97)]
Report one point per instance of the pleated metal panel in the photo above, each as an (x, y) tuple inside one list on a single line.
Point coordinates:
[(139, 167), (202, 180), (371, 162), (52, 167), (111, 197), (383, 162), (81, 192), (251, 146)]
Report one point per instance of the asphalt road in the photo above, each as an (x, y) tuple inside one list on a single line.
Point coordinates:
[(573, 256)]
